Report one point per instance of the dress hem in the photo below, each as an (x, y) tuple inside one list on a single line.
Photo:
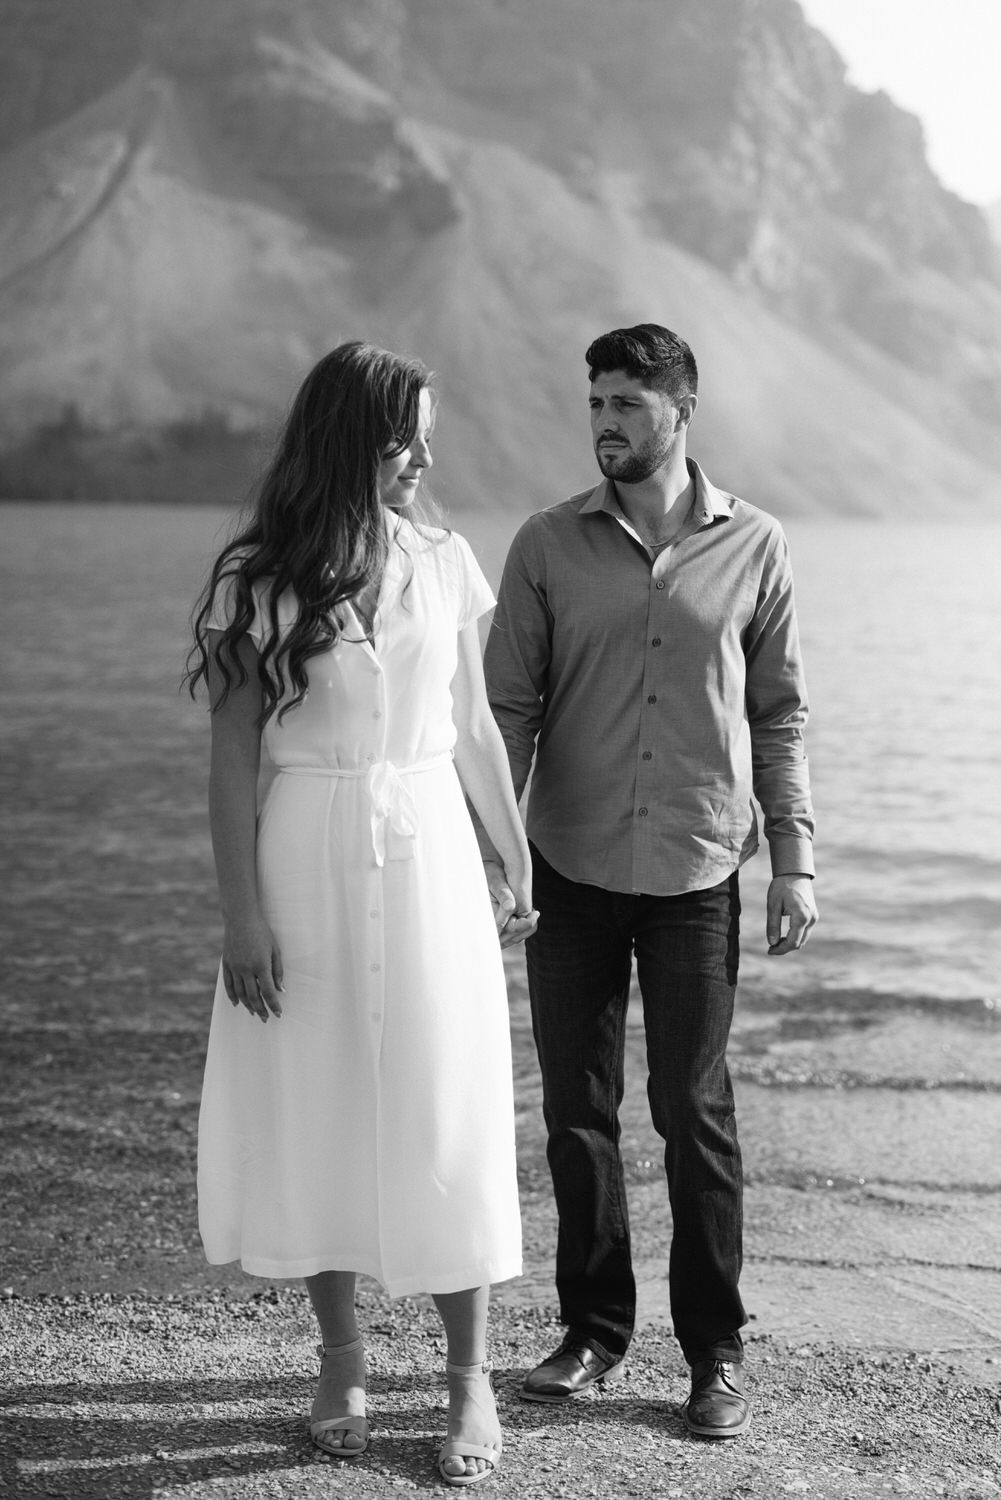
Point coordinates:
[(489, 1274)]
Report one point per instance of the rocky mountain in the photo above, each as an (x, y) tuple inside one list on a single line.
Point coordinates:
[(994, 220), (197, 198)]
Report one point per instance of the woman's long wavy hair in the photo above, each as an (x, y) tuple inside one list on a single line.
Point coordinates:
[(316, 525)]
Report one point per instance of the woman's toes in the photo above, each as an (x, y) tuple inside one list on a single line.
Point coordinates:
[(458, 1467)]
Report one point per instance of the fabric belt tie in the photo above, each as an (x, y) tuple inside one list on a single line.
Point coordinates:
[(394, 811)]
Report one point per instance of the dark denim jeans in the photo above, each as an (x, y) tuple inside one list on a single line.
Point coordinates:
[(579, 967)]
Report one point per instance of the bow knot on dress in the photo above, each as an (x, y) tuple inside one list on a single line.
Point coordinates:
[(394, 813)]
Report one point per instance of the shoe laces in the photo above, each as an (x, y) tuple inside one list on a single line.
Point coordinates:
[(721, 1367)]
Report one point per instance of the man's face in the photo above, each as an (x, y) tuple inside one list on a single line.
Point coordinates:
[(634, 429)]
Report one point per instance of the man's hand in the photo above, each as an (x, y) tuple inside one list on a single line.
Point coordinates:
[(512, 927), (790, 896)]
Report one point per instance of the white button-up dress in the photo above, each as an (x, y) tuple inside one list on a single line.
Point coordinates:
[(371, 1127)]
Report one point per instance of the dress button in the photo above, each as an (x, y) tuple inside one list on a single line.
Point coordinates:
[(655, 641), (660, 583), (647, 755), (642, 812)]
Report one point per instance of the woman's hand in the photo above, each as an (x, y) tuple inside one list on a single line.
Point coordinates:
[(514, 923), (252, 967)]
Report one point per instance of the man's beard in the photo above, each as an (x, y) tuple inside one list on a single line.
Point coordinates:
[(633, 468)]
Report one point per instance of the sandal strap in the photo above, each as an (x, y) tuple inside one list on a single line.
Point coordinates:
[(358, 1425), (325, 1349), (456, 1448)]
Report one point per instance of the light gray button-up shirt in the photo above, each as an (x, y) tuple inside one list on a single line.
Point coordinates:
[(655, 693)]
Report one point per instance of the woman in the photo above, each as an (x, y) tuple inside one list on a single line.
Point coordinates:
[(368, 1126)]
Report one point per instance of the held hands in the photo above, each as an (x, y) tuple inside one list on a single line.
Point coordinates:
[(514, 921), (252, 967), (789, 897)]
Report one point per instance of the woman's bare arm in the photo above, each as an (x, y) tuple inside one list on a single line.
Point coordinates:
[(482, 764), (251, 961)]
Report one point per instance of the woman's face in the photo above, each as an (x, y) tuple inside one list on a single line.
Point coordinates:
[(400, 476)]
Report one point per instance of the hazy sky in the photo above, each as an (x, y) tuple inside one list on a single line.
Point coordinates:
[(941, 59)]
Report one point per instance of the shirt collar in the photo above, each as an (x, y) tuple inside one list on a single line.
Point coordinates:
[(710, 504)]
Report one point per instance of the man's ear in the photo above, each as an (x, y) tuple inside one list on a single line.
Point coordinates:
[(686, 409)]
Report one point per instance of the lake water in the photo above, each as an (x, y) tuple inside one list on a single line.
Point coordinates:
[(900, 624)]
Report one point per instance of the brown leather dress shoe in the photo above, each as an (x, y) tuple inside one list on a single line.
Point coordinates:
[(717, 1406), (574, 1366)]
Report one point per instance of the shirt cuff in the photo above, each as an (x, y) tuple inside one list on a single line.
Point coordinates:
[(791, 855)]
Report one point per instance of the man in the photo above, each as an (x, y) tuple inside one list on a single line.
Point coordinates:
[(645, 650)]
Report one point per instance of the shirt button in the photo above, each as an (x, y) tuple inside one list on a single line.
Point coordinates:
[(647, 755), (375, 968), (642, 812), (655, 641), (652, 698), (660, 583), (374, 912), (377, 714)]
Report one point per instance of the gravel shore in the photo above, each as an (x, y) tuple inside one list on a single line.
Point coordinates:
[(190, 1395), (131, 1369)]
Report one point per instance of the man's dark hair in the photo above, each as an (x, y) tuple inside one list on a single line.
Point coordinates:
[(650, 353)]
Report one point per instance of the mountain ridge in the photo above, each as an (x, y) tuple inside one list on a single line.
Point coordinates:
[(252, 189)]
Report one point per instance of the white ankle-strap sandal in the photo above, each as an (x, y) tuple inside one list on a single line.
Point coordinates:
[(346, 1424), (470, 1380)]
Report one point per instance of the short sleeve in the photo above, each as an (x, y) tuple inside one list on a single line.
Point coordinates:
[(223, 608), (477, 595)]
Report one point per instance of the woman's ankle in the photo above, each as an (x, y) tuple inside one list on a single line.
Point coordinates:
[(340, 1388)]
